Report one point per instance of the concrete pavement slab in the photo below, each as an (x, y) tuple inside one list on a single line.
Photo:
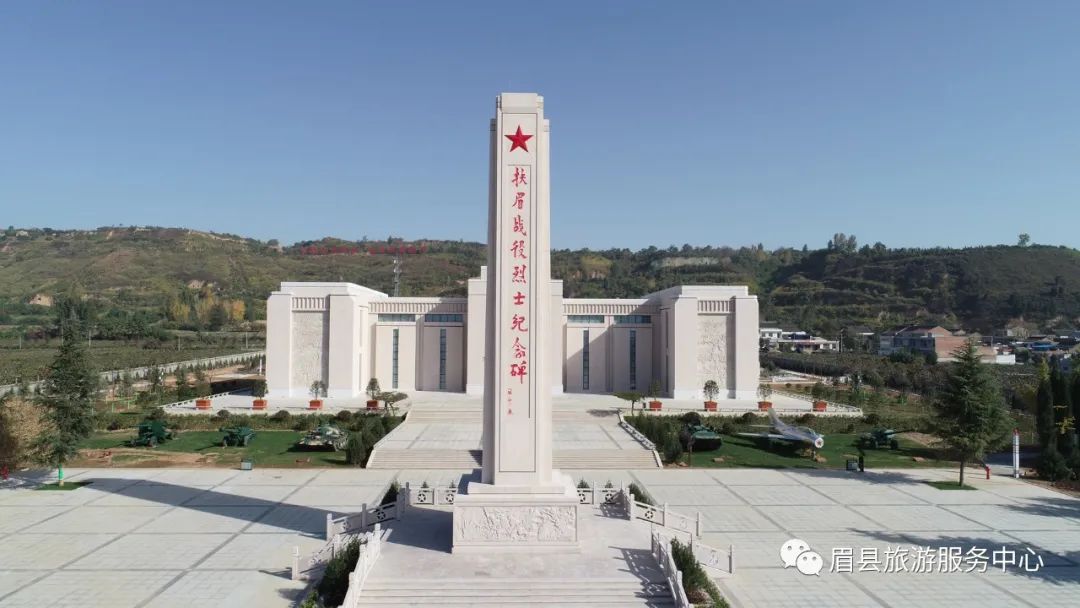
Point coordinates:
[(151, 551), (48, 551)]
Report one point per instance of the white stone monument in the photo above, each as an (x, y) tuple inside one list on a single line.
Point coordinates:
[(519, 503)]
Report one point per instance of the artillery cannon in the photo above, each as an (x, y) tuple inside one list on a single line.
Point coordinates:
[(324, 436), (237, 436), (879, 439), (152, 433)]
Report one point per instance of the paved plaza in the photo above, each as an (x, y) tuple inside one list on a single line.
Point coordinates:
[(214, 537)]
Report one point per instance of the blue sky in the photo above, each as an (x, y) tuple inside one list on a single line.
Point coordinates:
[(722, 123)]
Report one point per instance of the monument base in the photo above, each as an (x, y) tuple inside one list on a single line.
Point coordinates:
[(533, 519)]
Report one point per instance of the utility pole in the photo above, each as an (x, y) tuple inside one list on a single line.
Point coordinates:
[(397, 275)]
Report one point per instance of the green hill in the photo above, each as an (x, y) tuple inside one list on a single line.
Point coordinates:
[(184, 278)]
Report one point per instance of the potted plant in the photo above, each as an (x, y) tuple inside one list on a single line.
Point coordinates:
[(373, 391), (317, 390), (764, 391), (259, 390), (818, 393), (654, 392), (202, 403), (711, 390)]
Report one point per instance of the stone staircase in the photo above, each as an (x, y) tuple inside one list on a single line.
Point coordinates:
[(456, 421), (603, 459), (484, 592), (424, 459), (471, 459)]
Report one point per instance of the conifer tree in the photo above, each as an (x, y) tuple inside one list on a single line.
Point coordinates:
[(971, 416), (67, 392)]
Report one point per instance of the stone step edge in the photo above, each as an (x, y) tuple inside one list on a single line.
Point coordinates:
[(517, 581)]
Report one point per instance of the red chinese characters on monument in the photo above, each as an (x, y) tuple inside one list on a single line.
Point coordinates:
[(518, 201)]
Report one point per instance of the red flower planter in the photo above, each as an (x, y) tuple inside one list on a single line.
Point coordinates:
[(315, 404), (373, 404), (764, 405), (819, 406), (710, 406), (202, 404), (655, 405), (258, 404)]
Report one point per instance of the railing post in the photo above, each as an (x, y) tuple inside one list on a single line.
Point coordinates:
[(329, 526), (363, 516), (678, 581), (699, 524), (731, 559), (663, 520), (296, 563)]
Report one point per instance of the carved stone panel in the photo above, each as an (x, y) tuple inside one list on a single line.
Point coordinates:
[(311, 343), (713, 346), (516, 524)]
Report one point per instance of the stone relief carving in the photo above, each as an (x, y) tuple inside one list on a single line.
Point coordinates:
[(713, 349), (310, 345), (516, 524)]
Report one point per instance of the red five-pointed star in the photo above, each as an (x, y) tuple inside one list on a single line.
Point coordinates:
[(518, 140)]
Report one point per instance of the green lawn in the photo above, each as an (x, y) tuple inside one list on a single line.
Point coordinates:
[(750, 452), (268, 449)]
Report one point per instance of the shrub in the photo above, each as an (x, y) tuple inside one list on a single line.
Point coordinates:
[(259, 388), (640, 495), (1052, 466), (748, 418), (873, 419), (691, 418), (114, 425), (280, 416), (335, 583), (156, 415), (673, 449), (343, 416), (727, 428), (696, 581), (355, 450), (222, 413), (391, 493)]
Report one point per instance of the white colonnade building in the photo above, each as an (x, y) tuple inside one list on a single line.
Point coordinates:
[(343, 334)]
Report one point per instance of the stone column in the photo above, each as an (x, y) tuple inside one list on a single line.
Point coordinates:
[(557, 336), (519, 503), (683, 349), (476, 328), (343, 371), (279, 344), (745, 347)]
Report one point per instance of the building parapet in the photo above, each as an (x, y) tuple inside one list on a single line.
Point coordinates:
[(309, 303), (419, 306), (714, 306)]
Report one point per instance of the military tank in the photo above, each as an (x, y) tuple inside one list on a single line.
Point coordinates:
[(704, 438), (325, 436)]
